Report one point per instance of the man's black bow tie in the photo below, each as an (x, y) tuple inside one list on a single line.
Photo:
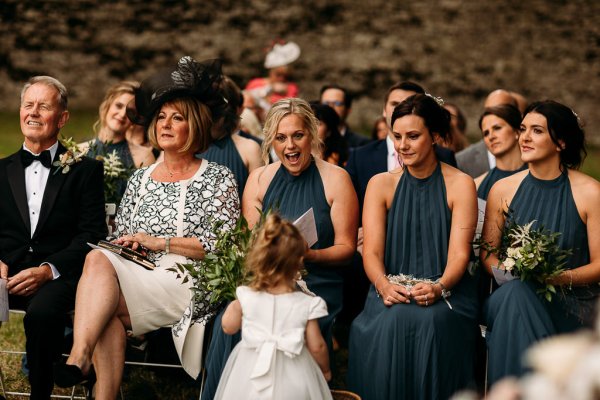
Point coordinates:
[(27, 158)]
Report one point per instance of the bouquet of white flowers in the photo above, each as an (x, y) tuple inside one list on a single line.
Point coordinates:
[(114, 174), (530, 254)]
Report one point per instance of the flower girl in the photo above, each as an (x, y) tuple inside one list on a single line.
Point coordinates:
[(272, 361)]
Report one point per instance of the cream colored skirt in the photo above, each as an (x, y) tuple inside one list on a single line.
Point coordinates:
[(155, 299)]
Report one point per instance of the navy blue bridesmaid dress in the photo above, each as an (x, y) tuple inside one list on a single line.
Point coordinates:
[(407, 351), (516, 316)]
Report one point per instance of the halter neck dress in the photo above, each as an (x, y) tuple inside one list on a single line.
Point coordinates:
[(407, 351), (516, 316)]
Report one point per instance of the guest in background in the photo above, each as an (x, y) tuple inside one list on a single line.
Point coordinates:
[(301, 181), (500, 129), (43, 243), (278, 84), (251, 121), (418, 220), (113, 125), (112, 128), (340, 100), (458, 129), (335, 148), (379, 130), (521, 101), (551, 194), (169, 212), (476, 159), (239, 154)]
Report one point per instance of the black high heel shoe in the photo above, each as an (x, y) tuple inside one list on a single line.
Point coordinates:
[(66, 375)]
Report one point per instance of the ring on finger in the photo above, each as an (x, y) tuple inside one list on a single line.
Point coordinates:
[(426, 303)]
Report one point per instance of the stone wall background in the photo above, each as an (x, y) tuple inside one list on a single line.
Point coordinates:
[(458, 49)]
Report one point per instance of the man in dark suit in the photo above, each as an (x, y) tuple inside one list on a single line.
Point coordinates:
[(340, 100), (47, 216), (364, 163)]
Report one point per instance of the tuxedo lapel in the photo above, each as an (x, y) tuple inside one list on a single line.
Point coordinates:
[(55, 182), (16, 179)]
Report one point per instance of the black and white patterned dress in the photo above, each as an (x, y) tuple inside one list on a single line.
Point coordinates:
[(187, 208)]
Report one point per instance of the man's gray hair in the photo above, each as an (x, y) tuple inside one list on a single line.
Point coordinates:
[(48, 81)]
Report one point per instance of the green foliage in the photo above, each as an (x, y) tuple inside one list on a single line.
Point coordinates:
[(222, 271)]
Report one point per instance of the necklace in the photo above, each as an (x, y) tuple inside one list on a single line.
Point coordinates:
[(173, 173)]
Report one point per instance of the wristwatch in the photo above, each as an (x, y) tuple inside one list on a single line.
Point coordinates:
[(445, 292)]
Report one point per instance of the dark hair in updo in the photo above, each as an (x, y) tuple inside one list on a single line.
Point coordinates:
[(436, 117), (507, 112), (563, 125)]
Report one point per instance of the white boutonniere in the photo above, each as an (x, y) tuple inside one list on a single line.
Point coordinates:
[(72, 156)]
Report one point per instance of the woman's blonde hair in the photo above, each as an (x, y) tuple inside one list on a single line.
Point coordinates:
[(112, 93), (276, 253), (199, 119), (282, 109)]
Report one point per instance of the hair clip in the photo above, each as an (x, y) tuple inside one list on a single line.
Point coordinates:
[(577, 117), (438, 100)]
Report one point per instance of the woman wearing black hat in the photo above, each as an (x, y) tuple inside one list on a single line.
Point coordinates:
[(168, 211)]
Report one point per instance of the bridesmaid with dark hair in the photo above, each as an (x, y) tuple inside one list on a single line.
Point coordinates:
[(419, 219), (552, 194), (500, 129)]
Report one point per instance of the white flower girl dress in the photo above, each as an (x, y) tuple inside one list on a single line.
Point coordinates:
[(271, 361)]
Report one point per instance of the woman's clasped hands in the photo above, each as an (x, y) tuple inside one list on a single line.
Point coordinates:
[(424, 294)]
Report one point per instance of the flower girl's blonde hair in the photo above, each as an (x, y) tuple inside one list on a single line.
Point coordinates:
[(276, 253)]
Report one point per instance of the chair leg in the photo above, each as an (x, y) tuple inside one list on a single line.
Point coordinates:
[(2, 382), (202, 382)]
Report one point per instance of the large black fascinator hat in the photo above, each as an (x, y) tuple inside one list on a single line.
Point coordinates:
[(189, 79)]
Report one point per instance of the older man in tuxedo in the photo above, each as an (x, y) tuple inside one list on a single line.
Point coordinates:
[(47, 216)]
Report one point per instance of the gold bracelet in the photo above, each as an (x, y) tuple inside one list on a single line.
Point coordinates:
[(375, 284)]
